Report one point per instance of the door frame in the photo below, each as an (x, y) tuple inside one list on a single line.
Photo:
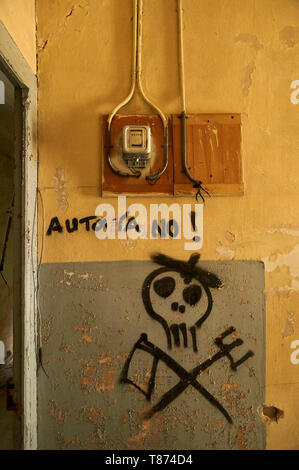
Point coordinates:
[(16, 68)]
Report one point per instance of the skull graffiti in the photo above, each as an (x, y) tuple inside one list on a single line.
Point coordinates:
[(184, 289)]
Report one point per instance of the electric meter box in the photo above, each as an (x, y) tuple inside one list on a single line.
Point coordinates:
[(136, 145)]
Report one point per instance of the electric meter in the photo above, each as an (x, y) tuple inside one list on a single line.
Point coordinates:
[(136, 145)]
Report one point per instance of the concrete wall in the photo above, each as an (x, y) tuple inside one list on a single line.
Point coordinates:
[(237, 59), (19, 18)]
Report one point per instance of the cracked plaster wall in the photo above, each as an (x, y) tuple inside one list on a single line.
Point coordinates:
[(19, 18)]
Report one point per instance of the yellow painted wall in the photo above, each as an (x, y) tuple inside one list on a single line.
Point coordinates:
[(240, 57), (19, 18)]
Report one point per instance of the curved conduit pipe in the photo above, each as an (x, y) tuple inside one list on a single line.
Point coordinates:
[(137, 79)]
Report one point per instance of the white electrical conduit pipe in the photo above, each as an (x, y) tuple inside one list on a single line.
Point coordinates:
[(183, 116), (137, 79), (181, 54)]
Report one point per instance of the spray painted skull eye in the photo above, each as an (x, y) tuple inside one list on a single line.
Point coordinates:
[(164, 287), (192, 294)]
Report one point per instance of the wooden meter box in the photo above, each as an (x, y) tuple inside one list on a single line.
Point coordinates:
[(213, 156), (114, 184)]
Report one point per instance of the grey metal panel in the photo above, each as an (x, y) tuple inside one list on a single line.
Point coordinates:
[(93, 314)]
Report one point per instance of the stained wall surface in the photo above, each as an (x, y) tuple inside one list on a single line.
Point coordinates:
[(237, 60), (19, 18)]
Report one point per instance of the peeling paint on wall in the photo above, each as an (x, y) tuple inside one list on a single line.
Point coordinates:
[(247, 77), (291, 260), (82, 402), (247, 52), (289, 325), (61, 192), (225, 252)]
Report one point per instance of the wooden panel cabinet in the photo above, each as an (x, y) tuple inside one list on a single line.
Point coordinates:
[(213, 156), (213, 153)]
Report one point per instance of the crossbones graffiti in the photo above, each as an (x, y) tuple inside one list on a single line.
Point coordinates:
[(196, 285)]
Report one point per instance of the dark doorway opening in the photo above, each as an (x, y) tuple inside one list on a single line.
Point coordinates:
[(10, 262)]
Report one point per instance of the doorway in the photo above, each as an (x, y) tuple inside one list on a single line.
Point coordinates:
[(18, 248), (10, 263)]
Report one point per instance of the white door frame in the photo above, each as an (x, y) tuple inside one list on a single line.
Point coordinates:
[(19, 72)]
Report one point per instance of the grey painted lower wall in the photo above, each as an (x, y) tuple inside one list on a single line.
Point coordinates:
[(97, 396)]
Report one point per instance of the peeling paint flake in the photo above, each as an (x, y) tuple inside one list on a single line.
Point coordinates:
[(291, 260), (247, 77), (289, 325), (285, 229), (61, 192), (229, 387), (225, 253)]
